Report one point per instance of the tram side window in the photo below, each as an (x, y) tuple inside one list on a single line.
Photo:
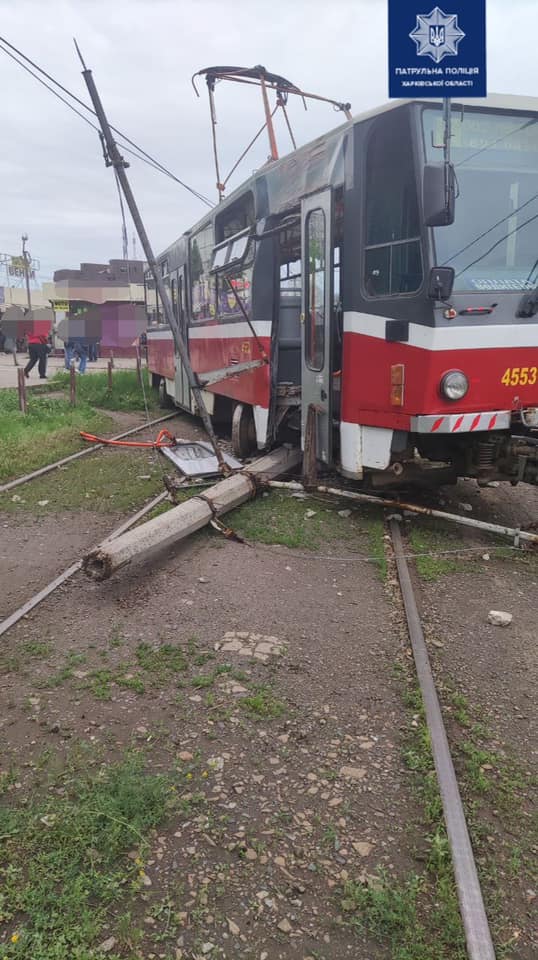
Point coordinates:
[(315, 291), (234, 284), (393, 260), (150, 298), (203, 282), (235, 218)]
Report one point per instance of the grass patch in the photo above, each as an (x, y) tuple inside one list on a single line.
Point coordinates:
[(154, 665), (49, 431), (391, 912), (278, 518), (64, 864), (433, 540), (100, 682), (126, 394), (112, 481), (418, 916), (37, 648), (157, 663), (281, 519), (262, 704), (161, 662)]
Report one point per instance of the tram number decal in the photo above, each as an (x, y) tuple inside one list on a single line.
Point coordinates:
[(520, 376)]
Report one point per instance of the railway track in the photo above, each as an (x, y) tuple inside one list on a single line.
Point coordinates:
[(49, 467), (473, 914)]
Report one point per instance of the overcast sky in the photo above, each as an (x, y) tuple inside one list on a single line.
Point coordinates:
[(53, 182)]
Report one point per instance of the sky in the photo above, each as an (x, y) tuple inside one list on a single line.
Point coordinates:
[(53, 182)]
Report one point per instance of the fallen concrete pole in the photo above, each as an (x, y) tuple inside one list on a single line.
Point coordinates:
[(189, 516)]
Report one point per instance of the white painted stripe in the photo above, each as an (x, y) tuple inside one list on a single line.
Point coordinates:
[(228, 331), (448, 338), (160, 335), (225, 331)]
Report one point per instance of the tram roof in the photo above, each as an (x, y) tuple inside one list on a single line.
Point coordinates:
[(332, 141)]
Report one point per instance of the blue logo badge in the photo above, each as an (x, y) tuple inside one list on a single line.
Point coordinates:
[(437, 53), (437, 35)]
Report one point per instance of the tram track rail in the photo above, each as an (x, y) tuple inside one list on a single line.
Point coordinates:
[(49, 467), (471, 903), (73, 568)]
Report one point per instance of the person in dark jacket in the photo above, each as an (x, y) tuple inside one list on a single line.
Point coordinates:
[(38, 351)]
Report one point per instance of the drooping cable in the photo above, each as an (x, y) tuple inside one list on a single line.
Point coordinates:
[(509, 234), (490, 229), (141, 153)]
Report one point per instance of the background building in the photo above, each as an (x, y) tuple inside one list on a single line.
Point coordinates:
[(102, 302)]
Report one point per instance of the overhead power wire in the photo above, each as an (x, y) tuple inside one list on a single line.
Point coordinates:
[(493, 143), (141, 155), (481, 236), (509, 234), (150, 163)]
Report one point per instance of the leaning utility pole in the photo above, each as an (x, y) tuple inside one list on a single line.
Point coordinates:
[(27, 260), (114, 159)]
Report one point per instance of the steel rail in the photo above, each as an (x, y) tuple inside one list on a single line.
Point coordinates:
[(81, 453), (473, 913), (514, 533), (17, 615)]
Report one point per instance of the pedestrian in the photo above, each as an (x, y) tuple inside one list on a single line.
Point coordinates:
[(69, 349), (38, 351), (81, 350)]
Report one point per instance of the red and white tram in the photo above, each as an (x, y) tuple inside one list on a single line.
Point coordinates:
[(362, 296)]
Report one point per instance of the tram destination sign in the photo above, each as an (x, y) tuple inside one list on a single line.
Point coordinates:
[(437, 51)]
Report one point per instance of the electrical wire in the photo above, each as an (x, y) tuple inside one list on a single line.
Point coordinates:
[(490, 229), (493, 143), (357, 557), (150, 163), (509, 234), (123, 228), (140, 155)]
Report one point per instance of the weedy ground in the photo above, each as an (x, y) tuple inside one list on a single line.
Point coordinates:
[(50, 429)]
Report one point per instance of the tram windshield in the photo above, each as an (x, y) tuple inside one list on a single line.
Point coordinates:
[(493, 242)]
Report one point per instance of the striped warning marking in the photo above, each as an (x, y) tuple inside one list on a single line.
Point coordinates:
[(461, 422)]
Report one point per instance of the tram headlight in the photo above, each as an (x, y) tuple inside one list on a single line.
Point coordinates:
[(454, 385)]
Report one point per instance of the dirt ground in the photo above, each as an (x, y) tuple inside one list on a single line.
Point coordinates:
[(286, 716)]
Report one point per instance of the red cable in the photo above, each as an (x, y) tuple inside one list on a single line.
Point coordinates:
[(170, 441)]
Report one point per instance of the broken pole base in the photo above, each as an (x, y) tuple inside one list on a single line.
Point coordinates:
[(188, 517)]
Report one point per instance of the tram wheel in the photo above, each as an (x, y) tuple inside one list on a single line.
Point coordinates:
[(243, 431)]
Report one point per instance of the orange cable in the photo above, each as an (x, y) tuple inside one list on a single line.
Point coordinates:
[(164, 439)]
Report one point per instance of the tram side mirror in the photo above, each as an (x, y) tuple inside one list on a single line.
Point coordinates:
[(438, 198), (441, 282)]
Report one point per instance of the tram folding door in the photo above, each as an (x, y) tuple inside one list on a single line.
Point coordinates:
[(182, 388), (316, 319)]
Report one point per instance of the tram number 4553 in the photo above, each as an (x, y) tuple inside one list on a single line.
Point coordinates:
[(520, 376)]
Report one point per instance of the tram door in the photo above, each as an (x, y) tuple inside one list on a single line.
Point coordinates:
[(182, 391), (316, 319)]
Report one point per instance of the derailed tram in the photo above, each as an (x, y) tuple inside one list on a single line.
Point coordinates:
[(372, 302)]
